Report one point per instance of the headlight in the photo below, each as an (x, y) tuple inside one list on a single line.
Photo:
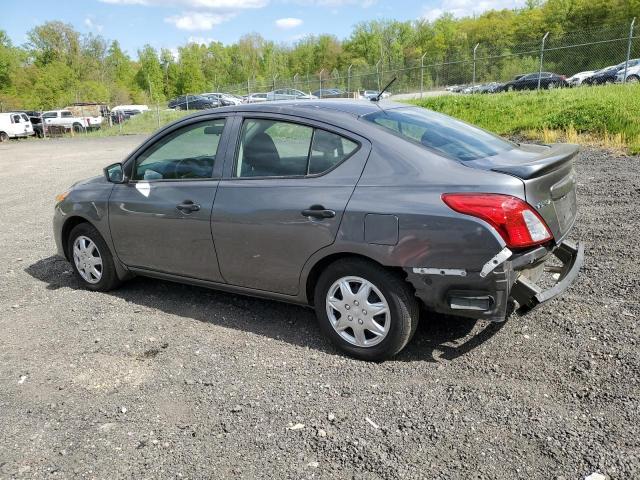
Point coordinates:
[(61, 196)]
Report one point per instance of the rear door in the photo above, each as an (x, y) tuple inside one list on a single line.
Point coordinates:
[(160, 218), (282, 198)]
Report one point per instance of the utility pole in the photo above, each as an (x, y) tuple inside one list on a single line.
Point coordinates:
[(378, 72), (321, 71), (626, 64), (544, 39), (422, 73), (474, 65)]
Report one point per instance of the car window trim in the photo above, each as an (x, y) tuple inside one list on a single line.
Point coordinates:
[(296, 120), (131, 162)]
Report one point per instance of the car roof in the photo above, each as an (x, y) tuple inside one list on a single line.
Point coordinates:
[(292, 107)]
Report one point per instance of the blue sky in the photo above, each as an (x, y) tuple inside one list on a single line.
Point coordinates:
[(170, 23)]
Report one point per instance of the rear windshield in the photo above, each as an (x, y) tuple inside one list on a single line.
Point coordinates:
[(447, 135)]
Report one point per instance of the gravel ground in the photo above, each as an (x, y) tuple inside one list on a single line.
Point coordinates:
[(158, 380)]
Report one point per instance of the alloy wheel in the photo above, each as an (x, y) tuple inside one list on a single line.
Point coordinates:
[(358, 311), (87, 259)]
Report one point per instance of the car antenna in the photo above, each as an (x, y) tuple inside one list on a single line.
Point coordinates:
[(377, 97)]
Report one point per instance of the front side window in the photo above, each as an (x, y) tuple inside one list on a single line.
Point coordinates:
[(186, 153), (270, 148), (436, 131)]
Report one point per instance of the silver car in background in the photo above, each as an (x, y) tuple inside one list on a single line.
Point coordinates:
[(368, 212)]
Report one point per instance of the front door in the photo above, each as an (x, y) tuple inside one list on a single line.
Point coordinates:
[(160, 219), (282, 199)]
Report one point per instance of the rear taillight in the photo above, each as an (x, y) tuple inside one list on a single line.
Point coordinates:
[(514, 219)]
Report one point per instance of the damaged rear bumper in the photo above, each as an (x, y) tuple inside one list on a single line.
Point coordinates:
[(507, 282)]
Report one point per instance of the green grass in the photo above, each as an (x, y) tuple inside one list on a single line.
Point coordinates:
[(608, 115), (147, 122)]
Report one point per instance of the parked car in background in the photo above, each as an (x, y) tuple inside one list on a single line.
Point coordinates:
[(609, 74), (192, 102), (224, 99), (15, 125), (577, 79), (364, 213), (255, 98), (66, 119), (330, 93), (491, 87), (131, 108), (289, 94), (529, 81), (633, 75), (374, 93)]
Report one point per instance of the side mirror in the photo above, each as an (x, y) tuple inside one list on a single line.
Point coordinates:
[(115, 173)]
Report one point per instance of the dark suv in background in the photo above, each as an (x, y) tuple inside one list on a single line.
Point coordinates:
[(530, 81), (193, 102)]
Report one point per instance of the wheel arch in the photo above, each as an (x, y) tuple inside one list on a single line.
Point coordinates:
[(69, 224), (320, 265)]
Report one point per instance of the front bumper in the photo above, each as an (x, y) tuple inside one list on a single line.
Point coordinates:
[(506, 287)]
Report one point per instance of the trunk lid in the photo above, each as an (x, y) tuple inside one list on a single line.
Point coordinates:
[(549, 180)]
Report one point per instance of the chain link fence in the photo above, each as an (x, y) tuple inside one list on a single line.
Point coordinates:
[(466, 69)]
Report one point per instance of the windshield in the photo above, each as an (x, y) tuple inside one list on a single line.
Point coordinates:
[(440, 132)]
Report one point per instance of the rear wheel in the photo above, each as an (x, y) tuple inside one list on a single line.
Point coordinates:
[(367, 311), (92, 259), (633, 79), (551, 85), (510, 88), (3, 137), (78, 128)]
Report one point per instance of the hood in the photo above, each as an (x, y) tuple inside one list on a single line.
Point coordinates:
[(89, 181)]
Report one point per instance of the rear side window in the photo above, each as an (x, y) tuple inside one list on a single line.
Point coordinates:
[(439, 132), (270, 148), (67, 114)]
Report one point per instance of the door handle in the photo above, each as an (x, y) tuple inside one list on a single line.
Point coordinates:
[(188, 206), (318, 211)]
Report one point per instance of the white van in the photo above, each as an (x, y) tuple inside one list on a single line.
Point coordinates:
[(13, 125)]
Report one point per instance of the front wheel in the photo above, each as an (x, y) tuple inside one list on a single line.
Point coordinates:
[(366, 310), (633, 79), (92, 259), (3, 137), (78, 128)]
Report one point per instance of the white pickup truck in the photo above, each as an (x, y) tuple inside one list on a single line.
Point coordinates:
[(66, 118)]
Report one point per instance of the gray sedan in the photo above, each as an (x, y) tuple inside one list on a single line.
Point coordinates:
[(366, 212)]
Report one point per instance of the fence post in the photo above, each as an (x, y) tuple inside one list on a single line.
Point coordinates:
[(158, 113), (349, 79), (378, 72), (544, 39), (248, 90), (274, 81), (626, 63), (295, 81), (321, 82), (422, 73), (473, 83)]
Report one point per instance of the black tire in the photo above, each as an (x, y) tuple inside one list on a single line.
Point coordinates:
[(78, 128), (633, 79), (403, 307), (3, 137), (510, 88), (109, 279)]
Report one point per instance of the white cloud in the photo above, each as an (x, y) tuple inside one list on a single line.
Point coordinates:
[(336, 3), (467, 8), (199, 4), (200, 40), (198, 15), (91, 25), (198, 21), (286, 23)]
